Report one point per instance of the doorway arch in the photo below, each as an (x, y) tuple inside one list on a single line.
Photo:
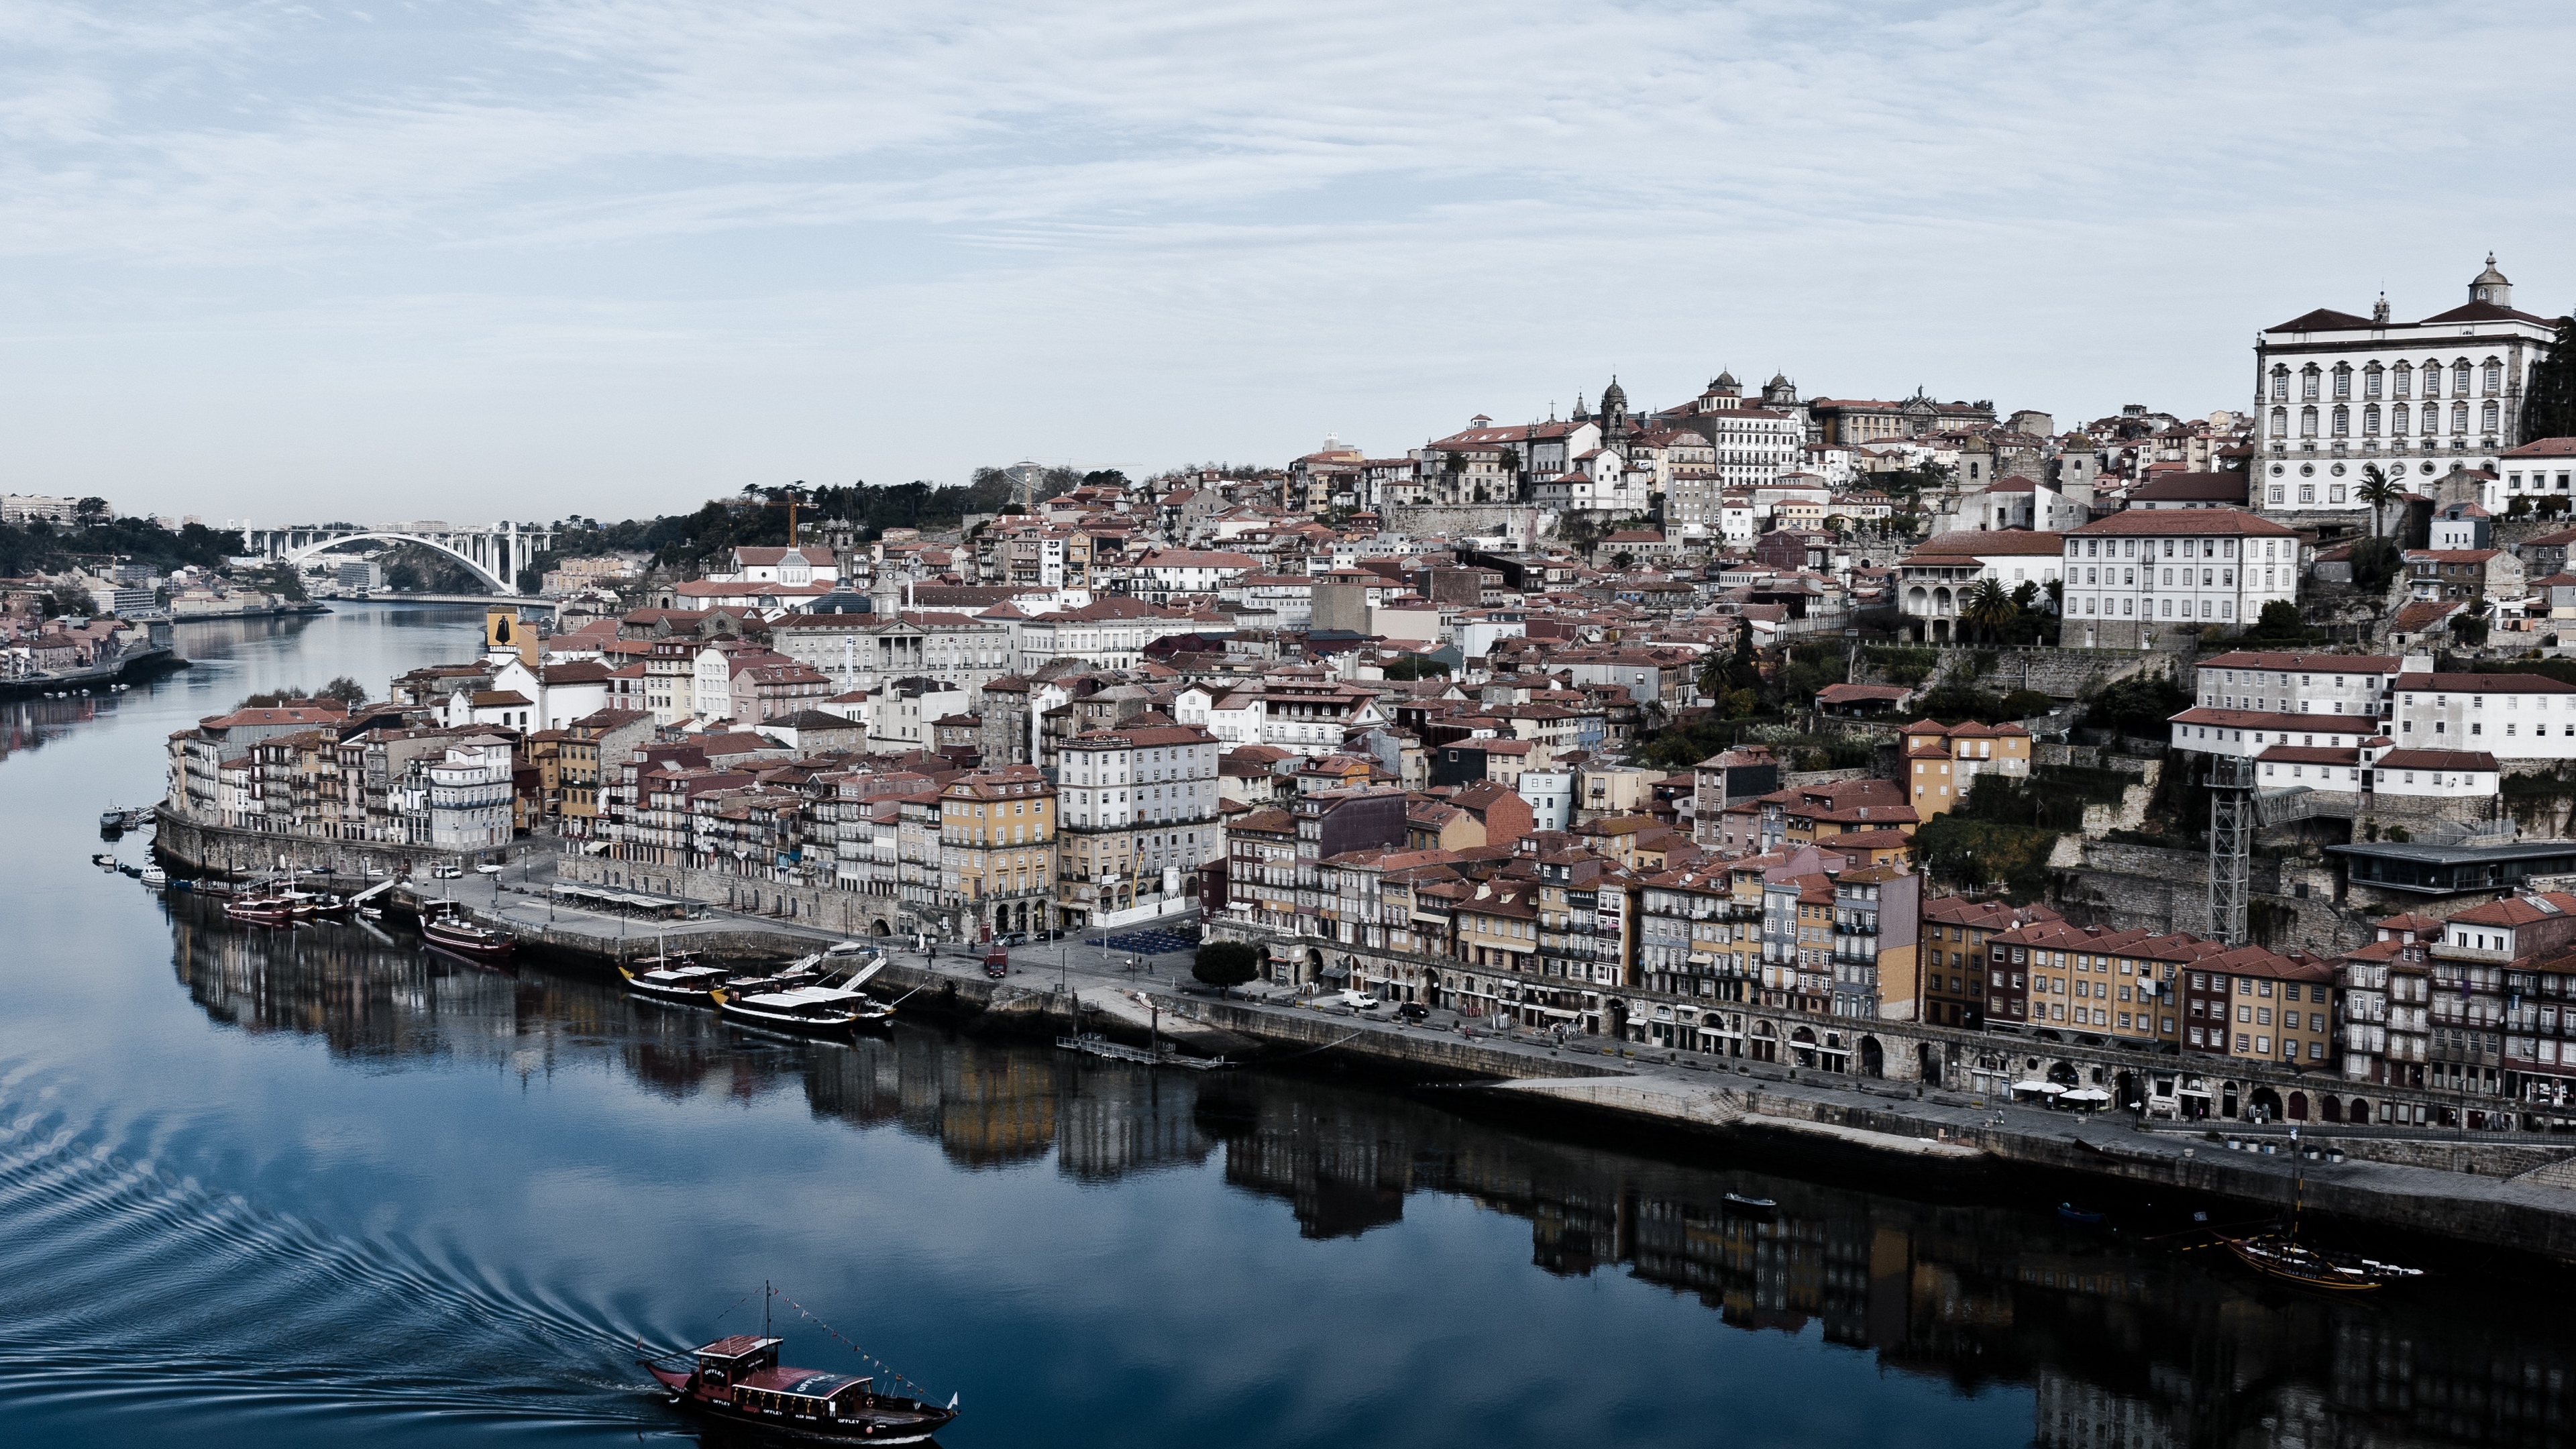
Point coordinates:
[(1873, 1057), (2299, 1106), (2266, 1103)]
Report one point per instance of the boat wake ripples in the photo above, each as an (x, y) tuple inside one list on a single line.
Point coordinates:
[(116, 1276)]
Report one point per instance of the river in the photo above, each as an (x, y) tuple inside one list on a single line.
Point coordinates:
[(314, 1188)]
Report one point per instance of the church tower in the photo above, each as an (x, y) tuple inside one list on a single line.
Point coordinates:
[(505, 634), (1614, 413)]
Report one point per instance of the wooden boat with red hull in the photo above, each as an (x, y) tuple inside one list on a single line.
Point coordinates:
[(260, 910), (738, 1382), (449, 930)]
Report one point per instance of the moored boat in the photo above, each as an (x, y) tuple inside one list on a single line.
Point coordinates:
[(449, 930), (801, 1008), (739, 1381), (683, 982), (154, 876), (262, 910), (2283, 1256), (1747, 1205)]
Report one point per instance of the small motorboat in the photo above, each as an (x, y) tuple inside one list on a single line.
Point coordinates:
[(103, 860), (446, 927), (111, 821), (154, 876), (738, 1381), (2074, 1214), (1748, 1206)]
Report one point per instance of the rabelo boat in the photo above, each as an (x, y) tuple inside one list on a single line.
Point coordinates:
[(738, 1381)]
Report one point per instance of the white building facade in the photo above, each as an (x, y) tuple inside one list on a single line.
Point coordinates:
[(2333, 391), (2140, 570)]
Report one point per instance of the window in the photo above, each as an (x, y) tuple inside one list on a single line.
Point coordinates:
[(2308, 382), (2343, 419), (2397, 418), (2460, 378), (2342, 380), (2487, 418), (2459, 417), (2280, 384), (2370, 378), (2402, 376), (2370, 416), (2308, 421)]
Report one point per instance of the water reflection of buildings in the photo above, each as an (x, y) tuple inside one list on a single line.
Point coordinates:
[(2122, 1347)]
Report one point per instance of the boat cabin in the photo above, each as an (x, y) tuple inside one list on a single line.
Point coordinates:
[(729, 1361), (743, 1370)]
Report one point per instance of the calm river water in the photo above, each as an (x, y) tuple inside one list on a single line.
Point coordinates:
[(314, 1188)]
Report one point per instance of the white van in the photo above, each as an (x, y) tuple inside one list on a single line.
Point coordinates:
[(1358, 1001)]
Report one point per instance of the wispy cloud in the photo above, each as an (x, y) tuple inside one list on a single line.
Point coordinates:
[(902, 239)]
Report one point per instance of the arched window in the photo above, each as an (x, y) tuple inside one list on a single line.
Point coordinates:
[(2459, 417), (2405, 379), (2342, 418), (2370, 420), (2487, 418)]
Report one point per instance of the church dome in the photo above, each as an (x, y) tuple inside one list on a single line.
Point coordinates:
[(2491, 277), (1725, 382), (1613, 396), (1778, 380)]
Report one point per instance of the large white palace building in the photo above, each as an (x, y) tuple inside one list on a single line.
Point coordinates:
[(2333, 392)]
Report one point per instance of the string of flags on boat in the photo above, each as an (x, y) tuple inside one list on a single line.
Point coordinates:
[(882, 1365)]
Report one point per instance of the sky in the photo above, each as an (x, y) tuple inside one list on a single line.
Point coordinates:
[(474, 260)]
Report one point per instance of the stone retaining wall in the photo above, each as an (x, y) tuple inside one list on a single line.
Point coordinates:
[(822, 908)]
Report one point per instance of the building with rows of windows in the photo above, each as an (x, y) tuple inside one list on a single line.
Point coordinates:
[(2334, 392), (2143, 570)]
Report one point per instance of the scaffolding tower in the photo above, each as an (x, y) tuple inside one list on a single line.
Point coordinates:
[(2231, 841)]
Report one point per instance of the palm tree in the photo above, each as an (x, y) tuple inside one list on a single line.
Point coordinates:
[(1989, 607), (2378, 489)]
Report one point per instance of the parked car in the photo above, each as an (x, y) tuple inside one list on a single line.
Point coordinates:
[(445, 872), (1358, 1001), (487, 870), (1015, 938), (1050, 935), (1414, 1011)]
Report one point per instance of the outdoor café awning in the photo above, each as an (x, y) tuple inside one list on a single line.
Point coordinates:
[(2035, 1085)]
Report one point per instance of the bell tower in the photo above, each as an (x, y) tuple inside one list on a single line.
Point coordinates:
[(506, 634)]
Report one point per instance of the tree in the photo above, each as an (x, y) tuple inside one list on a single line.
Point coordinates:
[(2549, 402), (1226, 965), (1989, 608), (346, 690), (2469, 626), (402, 577), (2280, 620), (2520, 507), (90, 512), (2379, 488), (1417, 666), (1622, 561), (68, 599)]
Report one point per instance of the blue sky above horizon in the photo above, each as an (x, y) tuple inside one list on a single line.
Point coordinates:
[(470, 259)]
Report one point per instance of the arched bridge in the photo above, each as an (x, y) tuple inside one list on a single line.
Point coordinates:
[(494, 553)]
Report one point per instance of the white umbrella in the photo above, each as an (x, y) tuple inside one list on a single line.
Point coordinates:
[(2035, 1085), (2088, 1094)]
